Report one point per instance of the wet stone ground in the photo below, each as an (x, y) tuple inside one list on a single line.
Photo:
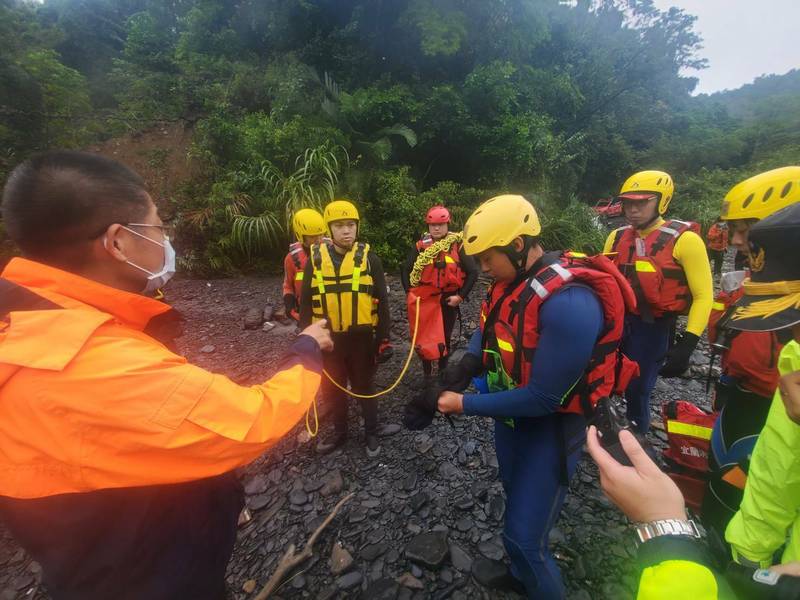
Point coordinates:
[(426, 512)]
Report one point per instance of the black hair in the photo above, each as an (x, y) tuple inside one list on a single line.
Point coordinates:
[(57, 201)]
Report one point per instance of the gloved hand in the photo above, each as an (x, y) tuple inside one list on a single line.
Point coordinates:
[(679, 355), (290, 303), (457, 376), (419, 413), (383, 351)]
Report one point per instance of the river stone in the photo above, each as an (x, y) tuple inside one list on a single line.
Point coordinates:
[(351, 580), (490, 573), (341, 559), (460, 559), (428, 549), (382, 589)]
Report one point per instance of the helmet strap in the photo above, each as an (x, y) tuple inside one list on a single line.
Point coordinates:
[(518, 258)]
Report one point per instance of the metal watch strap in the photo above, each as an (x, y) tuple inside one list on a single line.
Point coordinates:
[(648, 531)]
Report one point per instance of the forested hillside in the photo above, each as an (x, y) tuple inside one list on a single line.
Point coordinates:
[(395, 103)]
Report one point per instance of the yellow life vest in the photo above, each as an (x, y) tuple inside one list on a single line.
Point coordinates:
[(343, 296)]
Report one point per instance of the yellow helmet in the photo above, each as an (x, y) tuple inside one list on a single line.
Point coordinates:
[(340, 210), (762, 195), (498, 222), (307, 221), (650, 182)]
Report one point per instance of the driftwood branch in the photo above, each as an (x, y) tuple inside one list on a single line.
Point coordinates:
[(290, 560)]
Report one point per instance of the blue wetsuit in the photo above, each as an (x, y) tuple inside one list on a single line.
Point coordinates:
[(531, 454)]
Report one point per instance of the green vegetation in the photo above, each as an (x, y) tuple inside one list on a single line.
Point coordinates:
[(397, 104)]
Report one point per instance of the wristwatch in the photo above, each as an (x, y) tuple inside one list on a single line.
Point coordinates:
[(652, 529)]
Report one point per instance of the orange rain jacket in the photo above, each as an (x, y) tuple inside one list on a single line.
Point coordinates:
[(88, 401)]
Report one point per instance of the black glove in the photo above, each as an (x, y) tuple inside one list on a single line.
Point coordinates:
[(290, 302), (679, 355), (457, 376), (419, 413)]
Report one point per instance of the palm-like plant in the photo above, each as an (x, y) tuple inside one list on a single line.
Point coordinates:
[(376, 145), (261, 215)]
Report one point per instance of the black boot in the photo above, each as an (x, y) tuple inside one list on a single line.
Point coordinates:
[(332, 442), (372, 444)]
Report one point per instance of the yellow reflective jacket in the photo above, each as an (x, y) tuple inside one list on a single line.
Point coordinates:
[(677, 567), (769, 515), (343, 293)]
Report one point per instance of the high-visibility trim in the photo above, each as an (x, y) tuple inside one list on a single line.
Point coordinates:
[(299, 276), (320, 282), (540, 290), (356, 278), (644, 266), (449, 259), (504, 345), (697, 431), (562, 272), (718, 306)]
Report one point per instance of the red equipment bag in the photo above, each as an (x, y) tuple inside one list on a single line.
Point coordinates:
[(430, 343), (689, 437)]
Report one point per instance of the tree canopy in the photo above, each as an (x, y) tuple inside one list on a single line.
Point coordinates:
[(398, 104)]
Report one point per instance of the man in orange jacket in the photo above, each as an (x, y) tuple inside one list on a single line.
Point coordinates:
[(116, 455), (717, 244)]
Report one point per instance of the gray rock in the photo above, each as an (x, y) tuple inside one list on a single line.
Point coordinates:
[(298, 497), (258, 502), (253, 318), (410, 482), (464, 524), (208, 348), (428, 549), (460, 559), (372, 551), (419, 500), (424, 444), (351, 580), (490, 573), (497, 508), (257, 485), (416, 571), (333, 484), (382, 589), (490, 550)]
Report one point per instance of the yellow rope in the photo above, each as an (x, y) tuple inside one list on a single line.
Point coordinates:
[(789, 292), (430, 253), (399, 378)]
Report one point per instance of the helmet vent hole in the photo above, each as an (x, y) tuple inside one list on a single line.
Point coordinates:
[(472, 238), (767, 194), (785, 190), (526, 219), (659, 181), (748, 200)]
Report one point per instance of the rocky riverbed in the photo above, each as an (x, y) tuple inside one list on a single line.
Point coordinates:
[(426, 512)]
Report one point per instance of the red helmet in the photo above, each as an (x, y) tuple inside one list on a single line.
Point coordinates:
[(437, 214)]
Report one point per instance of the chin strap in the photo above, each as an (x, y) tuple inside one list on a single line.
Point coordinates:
[(518, 259), (650, 222)]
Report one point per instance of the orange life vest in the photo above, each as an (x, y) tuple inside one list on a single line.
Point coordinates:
[(753, 355), (445, 271), (657, 279), (717, 238), (510, 325)]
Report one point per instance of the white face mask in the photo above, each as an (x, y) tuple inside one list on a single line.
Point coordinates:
[(159, 279)]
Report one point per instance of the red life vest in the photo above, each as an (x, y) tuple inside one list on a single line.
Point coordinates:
[(445, 271), (753, 356), (512, 316), (299, 259), (659, 281)]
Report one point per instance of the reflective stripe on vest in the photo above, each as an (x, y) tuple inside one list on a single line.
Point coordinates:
[(696, 431), (343, 293), (718, 306), (644, 266)]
